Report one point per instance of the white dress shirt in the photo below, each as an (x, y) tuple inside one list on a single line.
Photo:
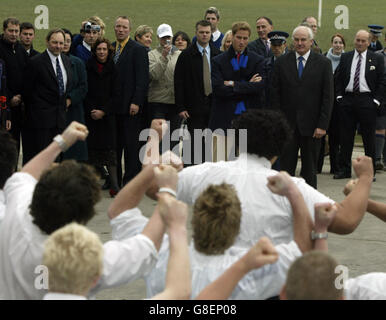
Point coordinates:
[(259, 284), (21, 248), (263, 213), (370, 286), (64, 72), (363, 87), (62, 296), (207, 55), (305, 56)]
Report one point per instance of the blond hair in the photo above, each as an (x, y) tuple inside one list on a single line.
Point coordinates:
[(216, 219), (312, 277), (226, 35), (74, 258)]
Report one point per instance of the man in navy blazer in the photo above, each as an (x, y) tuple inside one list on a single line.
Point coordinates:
[(47, 80), (132, 63), (238, 79), (360, 88), (302, 87)]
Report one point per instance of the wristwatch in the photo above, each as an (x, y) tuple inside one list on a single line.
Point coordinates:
[(62, 144), (316, 236)]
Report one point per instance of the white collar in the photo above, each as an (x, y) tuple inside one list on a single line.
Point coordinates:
[(86, 46), (63, 296), (53, 57), (216, 34), (363, 54), (305, 56)]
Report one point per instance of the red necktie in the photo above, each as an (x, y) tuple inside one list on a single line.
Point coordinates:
[(238, 57)]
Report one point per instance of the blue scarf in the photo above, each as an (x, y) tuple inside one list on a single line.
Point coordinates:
[(240, 107)]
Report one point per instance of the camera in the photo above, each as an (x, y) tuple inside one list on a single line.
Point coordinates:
[(88, 27)]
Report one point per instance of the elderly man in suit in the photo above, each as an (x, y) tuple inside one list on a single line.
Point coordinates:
[(46, 84), (302, 87), (360, 85), (132, 62)]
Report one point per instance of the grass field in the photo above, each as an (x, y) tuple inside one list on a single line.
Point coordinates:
[(182, 14)]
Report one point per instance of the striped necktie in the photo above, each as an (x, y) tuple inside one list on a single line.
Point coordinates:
[(59, 76), (357, 74), (117, 53)]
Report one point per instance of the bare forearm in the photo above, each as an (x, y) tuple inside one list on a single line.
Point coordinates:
[(42, 161), (377, 209), (352, 208), (302, 223), (155, 229), (131, 195), (178, 277)]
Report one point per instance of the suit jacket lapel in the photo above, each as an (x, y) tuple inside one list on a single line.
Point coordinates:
[(49, 65), (68, 66), (293, 65), (309, 63), (125, 51)]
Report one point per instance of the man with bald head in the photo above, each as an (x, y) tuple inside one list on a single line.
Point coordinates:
[(360, 86), (302, 87)]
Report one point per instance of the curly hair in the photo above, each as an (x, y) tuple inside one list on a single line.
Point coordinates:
[(66, 193), (98, 42), (216, 219), (267, 132), (8, 156)]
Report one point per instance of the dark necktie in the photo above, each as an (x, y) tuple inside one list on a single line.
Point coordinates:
[(266, 47), (117, 54), (300, 66), (357, 74), (238, 57), (59, 76), (206, 72)]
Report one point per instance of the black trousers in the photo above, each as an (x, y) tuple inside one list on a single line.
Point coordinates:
[(309, 151), (357, 109), (333, 142), (128, 128), (36, 140)]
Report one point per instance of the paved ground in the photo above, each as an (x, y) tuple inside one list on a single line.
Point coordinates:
[(362, 251)]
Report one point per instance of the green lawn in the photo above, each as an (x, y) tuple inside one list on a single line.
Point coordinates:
[(182, 14)]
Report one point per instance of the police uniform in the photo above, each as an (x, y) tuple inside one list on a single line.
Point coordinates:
[(376, 31)]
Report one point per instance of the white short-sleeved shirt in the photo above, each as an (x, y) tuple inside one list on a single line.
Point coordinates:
[(370, 286), (263, 213), (22, 244), (261, 283), (2, 206)]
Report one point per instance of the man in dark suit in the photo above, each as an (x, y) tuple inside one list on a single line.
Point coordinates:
[(238, 80), (27, 35), (193, 99), (132, 62), (15, 58), (262, 45), (46, 82), (360, 85), (302, 87)]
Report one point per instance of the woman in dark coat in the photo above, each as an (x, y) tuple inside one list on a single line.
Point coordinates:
[(100, 121), (75, 97)]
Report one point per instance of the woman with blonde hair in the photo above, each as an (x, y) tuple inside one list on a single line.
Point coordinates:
[(226, 42)]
